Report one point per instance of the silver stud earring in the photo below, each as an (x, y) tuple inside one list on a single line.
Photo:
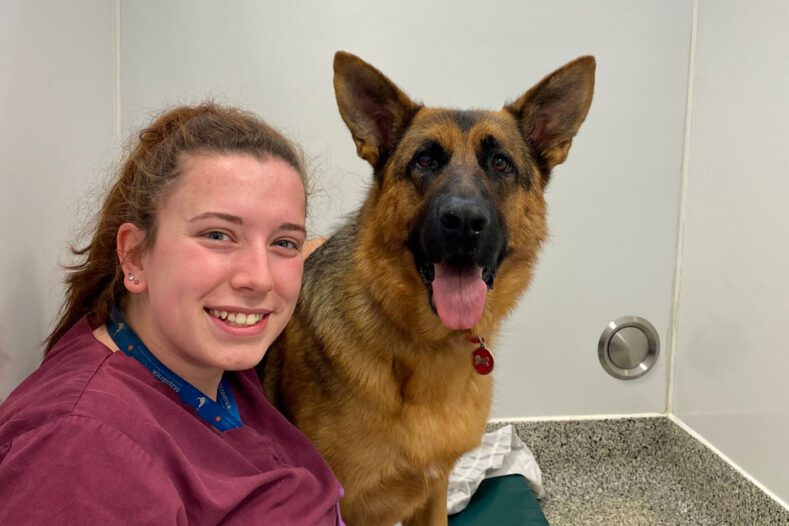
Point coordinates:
[(133, 279)]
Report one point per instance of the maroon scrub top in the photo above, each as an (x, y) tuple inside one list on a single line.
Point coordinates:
[(92, 437)]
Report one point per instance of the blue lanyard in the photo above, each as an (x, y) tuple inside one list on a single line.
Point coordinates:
[(221, 416)]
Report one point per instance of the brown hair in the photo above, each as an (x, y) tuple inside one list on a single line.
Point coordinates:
[(146, 176)]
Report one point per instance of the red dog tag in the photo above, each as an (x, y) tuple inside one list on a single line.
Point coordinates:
[(481, 359)]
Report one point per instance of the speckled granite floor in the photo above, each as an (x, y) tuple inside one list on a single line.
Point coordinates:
[(639, 472)]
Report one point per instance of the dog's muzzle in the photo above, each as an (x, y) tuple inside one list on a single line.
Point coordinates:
[(458, 248)]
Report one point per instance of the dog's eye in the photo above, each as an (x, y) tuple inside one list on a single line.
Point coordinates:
[(500, 164), (425, 161)]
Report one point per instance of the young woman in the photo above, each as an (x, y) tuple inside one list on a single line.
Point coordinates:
[(146, 409)]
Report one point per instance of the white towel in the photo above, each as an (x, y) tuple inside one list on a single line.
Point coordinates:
[(501, 452)]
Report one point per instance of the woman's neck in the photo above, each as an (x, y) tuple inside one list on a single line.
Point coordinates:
[(206, 379)]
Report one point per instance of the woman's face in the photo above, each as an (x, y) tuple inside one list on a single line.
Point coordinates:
[(223, 276)]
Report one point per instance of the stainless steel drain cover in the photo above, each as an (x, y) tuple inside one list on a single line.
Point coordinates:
[(628, 347)]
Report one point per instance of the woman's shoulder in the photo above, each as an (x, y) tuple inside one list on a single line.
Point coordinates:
[(80, 377), (56, 386)]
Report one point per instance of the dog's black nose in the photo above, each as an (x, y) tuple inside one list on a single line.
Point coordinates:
[(463, 217)]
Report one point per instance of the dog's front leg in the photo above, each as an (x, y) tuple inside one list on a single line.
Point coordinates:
[(434, 511)]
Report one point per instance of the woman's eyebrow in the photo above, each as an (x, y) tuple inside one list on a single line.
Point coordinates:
[(293, 226), (219, 215), (237, 220)]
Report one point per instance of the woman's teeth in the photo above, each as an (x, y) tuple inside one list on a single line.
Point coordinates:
[(236, 318)]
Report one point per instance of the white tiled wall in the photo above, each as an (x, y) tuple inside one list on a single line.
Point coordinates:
[(56, 137), (613, 205), (733, 351)]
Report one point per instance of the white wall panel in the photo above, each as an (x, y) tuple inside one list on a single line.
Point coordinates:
[(732, 358), (613, 205), (56, 114)]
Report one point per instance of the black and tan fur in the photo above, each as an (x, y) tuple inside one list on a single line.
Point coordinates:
[(367, 369)]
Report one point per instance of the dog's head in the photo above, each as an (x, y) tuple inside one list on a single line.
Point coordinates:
[(459, 194)]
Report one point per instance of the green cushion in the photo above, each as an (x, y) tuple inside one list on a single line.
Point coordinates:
[(501, 501)]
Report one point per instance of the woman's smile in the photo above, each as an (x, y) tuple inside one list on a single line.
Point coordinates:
[(238, 322)]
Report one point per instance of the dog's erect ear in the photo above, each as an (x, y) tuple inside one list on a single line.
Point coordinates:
[(373, 108), (551, 112)]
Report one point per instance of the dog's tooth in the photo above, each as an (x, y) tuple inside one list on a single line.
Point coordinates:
[(252, 319), (231, 317), (223, 315)]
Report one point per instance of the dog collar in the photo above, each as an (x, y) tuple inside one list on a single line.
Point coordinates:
[(481, 358)]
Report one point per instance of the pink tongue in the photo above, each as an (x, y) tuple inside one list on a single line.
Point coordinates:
[(459, 295)]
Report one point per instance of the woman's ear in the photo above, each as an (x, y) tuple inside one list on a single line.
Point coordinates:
[(128, 242)]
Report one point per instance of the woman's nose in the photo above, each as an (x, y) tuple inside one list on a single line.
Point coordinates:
[(253, 271)]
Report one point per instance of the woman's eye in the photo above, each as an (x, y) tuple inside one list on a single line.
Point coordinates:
[(287, 243), (425, 161), (215, 235), (500, 164)]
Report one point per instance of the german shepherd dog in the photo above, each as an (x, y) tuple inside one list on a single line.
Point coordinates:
[(376, 366)]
